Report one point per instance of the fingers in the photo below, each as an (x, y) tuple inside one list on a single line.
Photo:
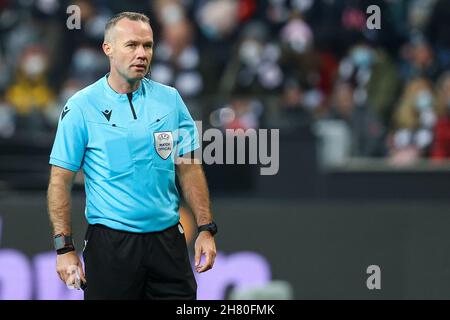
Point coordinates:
[(209, 263), (70, 270), (72, 281), (62, 274), (198, 254), (73, 277), (213, 259), (66, 276), (206, 266), (81, 273), (204, 245)]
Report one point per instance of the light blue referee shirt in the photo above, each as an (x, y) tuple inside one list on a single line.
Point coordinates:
[(126, 145)]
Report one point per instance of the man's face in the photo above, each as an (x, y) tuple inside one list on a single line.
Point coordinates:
[(130, 49)]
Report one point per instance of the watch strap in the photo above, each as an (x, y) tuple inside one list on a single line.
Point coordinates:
[(63, 243), (211, 227)]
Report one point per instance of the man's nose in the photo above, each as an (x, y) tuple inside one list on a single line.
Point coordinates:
[(140, 52)]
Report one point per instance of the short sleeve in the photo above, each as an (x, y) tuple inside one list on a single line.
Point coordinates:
[(70, 140), (188, 134)]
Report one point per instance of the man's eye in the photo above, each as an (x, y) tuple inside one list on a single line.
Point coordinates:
[(131, 45), (149, 46)]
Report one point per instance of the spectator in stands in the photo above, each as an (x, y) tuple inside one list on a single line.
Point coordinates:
[(88, 64), (441, 144), (366, 129), (30, 94), (254, 67), (413, 123), (315, 68), (241, 112), (296, 111), (418, 14), (20, 31), (290, 50), (375, 76), (418, 59), (298, 58), (219, 25), (177, 60), (218, 19), (247, 111)]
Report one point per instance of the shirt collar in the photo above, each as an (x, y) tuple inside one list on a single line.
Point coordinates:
[(120, 96)]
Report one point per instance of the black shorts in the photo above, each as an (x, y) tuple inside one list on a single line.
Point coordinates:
[(125, 265)]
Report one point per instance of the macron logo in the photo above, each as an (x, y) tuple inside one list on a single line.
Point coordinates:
[(64, 112), (107, 114)]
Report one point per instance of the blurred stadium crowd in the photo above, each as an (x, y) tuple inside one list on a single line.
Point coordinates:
[(294, 65)]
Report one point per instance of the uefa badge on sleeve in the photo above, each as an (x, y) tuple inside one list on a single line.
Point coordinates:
[(163, 143)]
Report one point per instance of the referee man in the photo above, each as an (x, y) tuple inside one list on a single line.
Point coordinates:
[(126, 133)]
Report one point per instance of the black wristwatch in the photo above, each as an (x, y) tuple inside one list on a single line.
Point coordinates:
[(211, 227), (63, 243)]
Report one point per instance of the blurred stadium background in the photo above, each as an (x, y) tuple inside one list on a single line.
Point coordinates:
[(364, 177)]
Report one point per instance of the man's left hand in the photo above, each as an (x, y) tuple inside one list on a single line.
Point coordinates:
[(206, 245)]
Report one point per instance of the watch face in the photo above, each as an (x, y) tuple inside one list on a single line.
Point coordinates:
[(59, 242)]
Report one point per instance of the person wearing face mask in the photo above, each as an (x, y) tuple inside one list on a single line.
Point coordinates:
[(362, 56), (441, 144), (30, 94), (375, 74), (413, 121), (30, 90)]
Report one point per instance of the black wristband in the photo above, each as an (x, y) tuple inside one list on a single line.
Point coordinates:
[(211, 227), (65, 250)]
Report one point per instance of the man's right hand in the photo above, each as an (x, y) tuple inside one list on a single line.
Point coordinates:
[(64, 261)]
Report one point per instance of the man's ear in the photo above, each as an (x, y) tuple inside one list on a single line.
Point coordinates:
[(107, 49)]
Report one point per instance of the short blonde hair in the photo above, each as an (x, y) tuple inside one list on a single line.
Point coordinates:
[(406, 115), (134, 16)]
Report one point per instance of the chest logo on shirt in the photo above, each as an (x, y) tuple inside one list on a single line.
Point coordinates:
[(163, 143), (107, 114)]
